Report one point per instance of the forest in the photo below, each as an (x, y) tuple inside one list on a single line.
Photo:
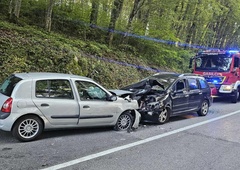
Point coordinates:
[(115, 42)]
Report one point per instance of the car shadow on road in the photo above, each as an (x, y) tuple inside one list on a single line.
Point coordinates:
[(173, 119), (73, 132), (6, 137)]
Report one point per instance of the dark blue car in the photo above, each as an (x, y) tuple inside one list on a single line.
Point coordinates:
[(164, 95)]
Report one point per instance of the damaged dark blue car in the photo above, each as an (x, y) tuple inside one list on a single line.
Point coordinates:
[(164, 95)]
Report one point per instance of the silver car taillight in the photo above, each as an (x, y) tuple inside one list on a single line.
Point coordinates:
[(7, 105)]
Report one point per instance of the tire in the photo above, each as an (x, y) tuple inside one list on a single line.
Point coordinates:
[(27, 128), (124, 122), (234, 98), (203, 111), (163, 116)]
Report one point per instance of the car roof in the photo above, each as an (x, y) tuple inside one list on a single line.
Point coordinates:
[(176, 75), (41, 75)]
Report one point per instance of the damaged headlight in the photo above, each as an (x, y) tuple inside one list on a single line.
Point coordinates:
[(154, 105)]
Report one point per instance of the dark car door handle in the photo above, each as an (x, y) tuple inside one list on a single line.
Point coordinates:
[(85, 107), (44, 104)]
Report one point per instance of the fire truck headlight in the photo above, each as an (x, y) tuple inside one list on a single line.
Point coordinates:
[(227, 87)]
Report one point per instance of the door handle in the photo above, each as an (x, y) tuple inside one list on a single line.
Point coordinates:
[(44, 104), (186, 95), (200, 93), (85, 107)]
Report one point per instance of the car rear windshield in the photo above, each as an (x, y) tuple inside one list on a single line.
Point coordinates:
[(9, 84)]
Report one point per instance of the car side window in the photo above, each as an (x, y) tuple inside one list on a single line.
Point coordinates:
[(203, 84), (90, 91), (60, 89), (193, 84)]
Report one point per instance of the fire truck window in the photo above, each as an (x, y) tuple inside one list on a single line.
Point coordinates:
[(236, 62), (198, 62)]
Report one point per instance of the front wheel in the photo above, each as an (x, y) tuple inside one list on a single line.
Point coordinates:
[(27, 128), (203, 111), (235, 97), (124, 122), (163, 116)]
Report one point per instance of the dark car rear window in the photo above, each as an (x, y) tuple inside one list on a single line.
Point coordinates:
[(9, 84)]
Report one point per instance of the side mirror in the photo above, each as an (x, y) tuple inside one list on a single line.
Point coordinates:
[(190, 63), (112, 98)]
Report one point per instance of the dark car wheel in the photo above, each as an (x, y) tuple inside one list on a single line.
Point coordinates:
[(163, 116), (203, 111), (27, 128), (234, 98), (124, 122)]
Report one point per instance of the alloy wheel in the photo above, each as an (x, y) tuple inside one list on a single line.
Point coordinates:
[(28, 128), (124, 122), (204, 108), (163, 116)]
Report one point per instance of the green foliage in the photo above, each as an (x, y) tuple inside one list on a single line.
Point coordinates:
[(74, 47), (26, 49)]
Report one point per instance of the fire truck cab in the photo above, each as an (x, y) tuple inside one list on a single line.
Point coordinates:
[(221, 69)]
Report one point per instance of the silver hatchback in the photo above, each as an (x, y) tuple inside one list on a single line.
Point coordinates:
[(33, 102)]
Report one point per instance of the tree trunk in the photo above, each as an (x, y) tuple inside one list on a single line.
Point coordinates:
[(14, 9), (117, 8), (136, 7), (17, 8), (10, 8), (48, 23), (94, 12), (144, 15)]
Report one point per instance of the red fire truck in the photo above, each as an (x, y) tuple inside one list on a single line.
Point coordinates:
[(220, 69)]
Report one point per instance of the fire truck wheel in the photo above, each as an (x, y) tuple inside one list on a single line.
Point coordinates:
[(235, 97)]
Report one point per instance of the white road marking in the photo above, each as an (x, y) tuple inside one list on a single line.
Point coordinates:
[(109, 151)]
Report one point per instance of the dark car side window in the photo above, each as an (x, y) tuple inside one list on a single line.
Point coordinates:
[(9, 84), (203, 84), (180, 86), (193, 84), (59, 89)]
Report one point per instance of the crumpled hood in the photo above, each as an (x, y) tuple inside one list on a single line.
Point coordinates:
[(120, 93)]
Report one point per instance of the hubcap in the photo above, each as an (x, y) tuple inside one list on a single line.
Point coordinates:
[(163, 116), (124, 122), (205, 108), (28, 128)]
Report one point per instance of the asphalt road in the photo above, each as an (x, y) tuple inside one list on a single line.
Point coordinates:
[(185, 142)]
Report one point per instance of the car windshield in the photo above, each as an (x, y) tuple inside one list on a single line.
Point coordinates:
[(9, 84), (219, 63)]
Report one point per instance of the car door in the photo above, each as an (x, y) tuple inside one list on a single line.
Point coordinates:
[(179, 97), (95, 108), (55, 99), (195, 94)]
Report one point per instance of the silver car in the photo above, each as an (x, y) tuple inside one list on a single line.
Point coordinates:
[(33, 102)]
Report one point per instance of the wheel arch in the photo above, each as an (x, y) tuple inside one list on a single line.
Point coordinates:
[(169, 108), (136, 117), (29, 114), (237, 85)]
